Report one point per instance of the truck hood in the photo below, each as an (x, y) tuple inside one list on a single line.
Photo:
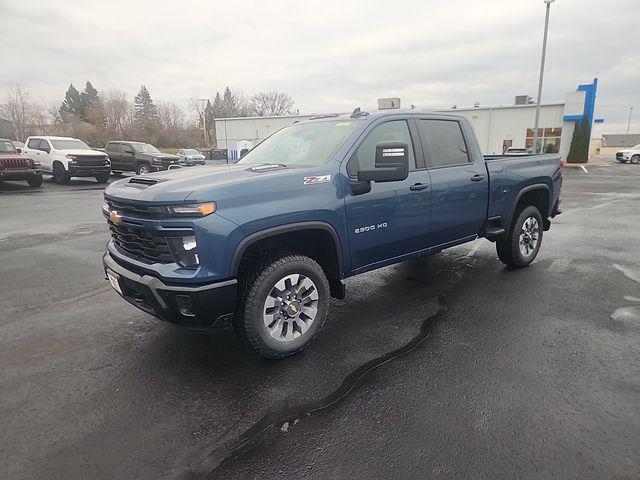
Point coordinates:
[(164, 156), (83, 152), (202, 184)]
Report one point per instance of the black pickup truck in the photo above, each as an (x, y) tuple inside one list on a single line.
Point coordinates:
[(139, 157)]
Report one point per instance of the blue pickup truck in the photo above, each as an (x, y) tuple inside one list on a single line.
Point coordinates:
[(264, 243)]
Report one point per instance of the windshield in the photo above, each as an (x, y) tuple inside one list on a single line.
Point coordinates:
[(191, 151), (7, 147), (70, 144), (636, 147), (305, 144), (145, 148)]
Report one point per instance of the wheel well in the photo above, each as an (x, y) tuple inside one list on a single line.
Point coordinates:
[(58, 162), (538, 197), (315, 243)]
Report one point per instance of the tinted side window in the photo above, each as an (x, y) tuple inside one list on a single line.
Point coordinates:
[(113, 147), (34, 143), (365, 156), (444, 141)]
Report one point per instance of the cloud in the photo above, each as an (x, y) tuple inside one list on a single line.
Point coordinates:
[(329, 55)]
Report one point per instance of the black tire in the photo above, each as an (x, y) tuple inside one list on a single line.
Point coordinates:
[(143, 168), (635, 159), (60, 175), (509, 249), (35, 181), (257, 284), (104, 178)]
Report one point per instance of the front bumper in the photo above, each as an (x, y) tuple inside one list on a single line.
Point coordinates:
[(19, 174), (201, 307), (88, 171)]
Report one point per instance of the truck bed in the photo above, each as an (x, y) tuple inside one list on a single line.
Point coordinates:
[(512, 176)]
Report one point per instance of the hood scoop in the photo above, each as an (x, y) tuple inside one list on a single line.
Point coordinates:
[(143, 182)]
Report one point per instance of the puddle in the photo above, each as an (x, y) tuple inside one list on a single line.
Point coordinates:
[(627, 272)]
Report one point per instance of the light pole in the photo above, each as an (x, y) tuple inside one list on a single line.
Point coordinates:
[(629, 122), (544, 52)]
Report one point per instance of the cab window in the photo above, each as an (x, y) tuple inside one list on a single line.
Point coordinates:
[(365, 156)]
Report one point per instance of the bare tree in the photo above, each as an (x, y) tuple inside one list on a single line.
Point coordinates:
[(171, 116), (271, 104), (118, 112), (19, 108)]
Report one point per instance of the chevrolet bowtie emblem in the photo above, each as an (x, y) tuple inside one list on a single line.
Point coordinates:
[(115, 217)]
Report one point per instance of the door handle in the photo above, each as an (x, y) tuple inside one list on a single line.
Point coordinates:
[(477, 178), (416, 187)]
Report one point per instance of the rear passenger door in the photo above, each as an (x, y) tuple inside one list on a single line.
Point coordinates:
[(114, 150), (459, 181), (391, 220)]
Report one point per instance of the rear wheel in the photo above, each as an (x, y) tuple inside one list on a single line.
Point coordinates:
[(60, 175), (284, 302), (35, 181), (143, 169), (635, 159), (522, 244)]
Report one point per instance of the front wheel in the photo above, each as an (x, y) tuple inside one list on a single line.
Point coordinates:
[(104, 178), (522, 244), (635, 159), (284, 303), (60, 175), (143, 169), (35, 181)]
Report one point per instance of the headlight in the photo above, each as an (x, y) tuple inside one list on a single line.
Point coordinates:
[(156, 160), (193, 210), (185, 251)]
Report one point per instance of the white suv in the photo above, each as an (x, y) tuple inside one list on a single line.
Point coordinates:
[(65, 157), (631, 155)]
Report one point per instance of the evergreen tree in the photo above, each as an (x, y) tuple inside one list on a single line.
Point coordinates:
[(145, 111), (218, 111), (72, 105), (90, 102), (579, 149)]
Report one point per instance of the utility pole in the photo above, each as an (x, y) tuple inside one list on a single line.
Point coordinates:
[(629, 122), (544, 52), (204, 117)]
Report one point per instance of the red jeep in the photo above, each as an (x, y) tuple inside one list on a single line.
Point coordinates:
[(15, 166)]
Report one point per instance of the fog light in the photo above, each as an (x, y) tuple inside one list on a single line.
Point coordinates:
[(184, 250), (183, 302)]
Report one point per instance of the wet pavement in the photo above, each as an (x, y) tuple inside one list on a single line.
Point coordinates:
[(451, 366)]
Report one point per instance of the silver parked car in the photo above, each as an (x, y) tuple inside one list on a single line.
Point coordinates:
[(191, 156)]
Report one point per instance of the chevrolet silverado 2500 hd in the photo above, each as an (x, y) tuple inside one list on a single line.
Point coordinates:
[(263, 243)]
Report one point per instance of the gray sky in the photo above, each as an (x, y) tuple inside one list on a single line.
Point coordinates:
[(328, 55)]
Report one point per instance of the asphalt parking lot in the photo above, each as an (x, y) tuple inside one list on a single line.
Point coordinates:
[(447, 367)]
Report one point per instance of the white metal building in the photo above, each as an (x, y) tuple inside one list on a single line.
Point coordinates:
[(497, 128)]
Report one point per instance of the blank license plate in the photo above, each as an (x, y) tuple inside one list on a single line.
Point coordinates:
[(113, 279)]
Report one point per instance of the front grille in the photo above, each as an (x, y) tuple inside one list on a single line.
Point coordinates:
[(143, 211), (15, 164), (91, 160), (140, 244)]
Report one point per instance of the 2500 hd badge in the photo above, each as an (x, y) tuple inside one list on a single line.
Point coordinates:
[(371, 228)]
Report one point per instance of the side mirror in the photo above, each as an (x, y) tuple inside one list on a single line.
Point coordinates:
[(19, 149), (391, 163)]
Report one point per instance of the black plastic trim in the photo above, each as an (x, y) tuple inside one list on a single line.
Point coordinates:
[(272, 232)]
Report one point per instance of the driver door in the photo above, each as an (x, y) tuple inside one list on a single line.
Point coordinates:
[(391, 220)]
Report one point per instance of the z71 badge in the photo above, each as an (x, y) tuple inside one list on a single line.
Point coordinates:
[(316, 180)]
